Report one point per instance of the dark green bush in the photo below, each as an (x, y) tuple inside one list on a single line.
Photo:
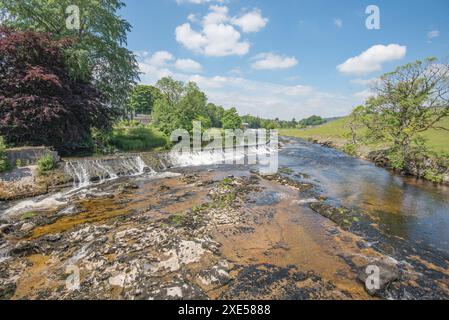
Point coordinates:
[(4, 163), (46, 163)]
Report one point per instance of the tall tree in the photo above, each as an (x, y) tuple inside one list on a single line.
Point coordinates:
[(98, 54), (231, 119), (181, 104), (40, 104), (142, 99), (410, 100)]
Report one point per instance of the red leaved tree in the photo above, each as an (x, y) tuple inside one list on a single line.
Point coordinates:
[(39, 103)]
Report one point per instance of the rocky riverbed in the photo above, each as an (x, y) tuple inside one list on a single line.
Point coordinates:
[(207, 233)]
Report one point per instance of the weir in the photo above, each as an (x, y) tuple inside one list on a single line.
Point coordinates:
[(84, 172)]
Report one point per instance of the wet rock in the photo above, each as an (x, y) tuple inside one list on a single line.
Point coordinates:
[(25, 249), (52, 237), (6, 228), (117, 281), (286, 181), (164, 188), (388, 273), (7, 290), (178, 291), (27, 227), (344, 217), (265, 281), (217, 276)]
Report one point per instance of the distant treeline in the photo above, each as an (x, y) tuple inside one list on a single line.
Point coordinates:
[(175, 104)]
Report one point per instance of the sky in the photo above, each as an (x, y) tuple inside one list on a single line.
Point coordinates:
[(284, 59)]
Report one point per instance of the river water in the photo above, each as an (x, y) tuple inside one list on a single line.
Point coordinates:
[(412, 209), (271, 240)]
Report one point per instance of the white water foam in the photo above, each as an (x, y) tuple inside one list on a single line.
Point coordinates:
[(209, 157)]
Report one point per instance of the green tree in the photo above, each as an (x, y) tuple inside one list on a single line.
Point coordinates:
[(98, 55), (311, 121), (253, 122), (142, 99), (408, 101), (215, 114), (231, 119), (180, 105)]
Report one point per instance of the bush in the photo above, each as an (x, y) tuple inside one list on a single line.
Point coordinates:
[(4, 163), (137, 138), (46, 163), (433, 176), (350, 149)]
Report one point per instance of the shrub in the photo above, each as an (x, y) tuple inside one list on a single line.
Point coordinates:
[(4, 163), (433, 176), (46, 163), (137, 138), (350, 149)]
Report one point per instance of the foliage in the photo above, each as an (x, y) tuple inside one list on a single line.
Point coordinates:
[(215, 114), (231, 119), (46, 163), (180, 105), (433, 176), (311, 121), (137, 138), (350, 148), (409, 101), (4, 163), (39, 103), (142, 99), (253, 122), (98, 53)]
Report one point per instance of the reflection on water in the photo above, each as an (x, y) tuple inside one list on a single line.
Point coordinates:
[(404, 206)]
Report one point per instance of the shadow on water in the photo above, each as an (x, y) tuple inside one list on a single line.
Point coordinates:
[(414, 210)]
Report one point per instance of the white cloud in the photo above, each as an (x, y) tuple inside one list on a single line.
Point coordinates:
[(251, 21), (192, 18), (188, 65), (338, 22), (218, 36), (432, 34), (366, 82), (198, 1), (270, 61), (160, 63), (160, 58), (364, 94), (217, 14), (372, 59)]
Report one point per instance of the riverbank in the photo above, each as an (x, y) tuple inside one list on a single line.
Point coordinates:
[(429, 168)]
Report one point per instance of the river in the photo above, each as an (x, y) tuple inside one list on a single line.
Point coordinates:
[(199, 230)]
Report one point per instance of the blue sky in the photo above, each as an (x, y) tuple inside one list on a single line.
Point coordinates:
[(289, 58)]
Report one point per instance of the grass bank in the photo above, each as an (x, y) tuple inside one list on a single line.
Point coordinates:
[(337, 130)]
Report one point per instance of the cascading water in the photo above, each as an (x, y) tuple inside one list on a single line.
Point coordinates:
[(208, 157), (83, 172)]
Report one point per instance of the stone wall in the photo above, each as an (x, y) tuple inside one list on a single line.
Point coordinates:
[(29, 155)]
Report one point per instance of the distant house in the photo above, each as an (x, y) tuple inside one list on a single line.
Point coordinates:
[(143, 118), (245, 126)]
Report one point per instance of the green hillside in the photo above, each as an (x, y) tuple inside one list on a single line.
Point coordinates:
[(438, 140)]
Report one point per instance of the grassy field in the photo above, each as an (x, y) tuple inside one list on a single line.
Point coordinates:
[(437, 140)]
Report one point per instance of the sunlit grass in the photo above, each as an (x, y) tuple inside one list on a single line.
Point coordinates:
[(437, 140)]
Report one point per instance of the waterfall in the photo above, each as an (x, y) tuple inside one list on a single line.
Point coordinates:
[(84, 172), (220, 156)]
